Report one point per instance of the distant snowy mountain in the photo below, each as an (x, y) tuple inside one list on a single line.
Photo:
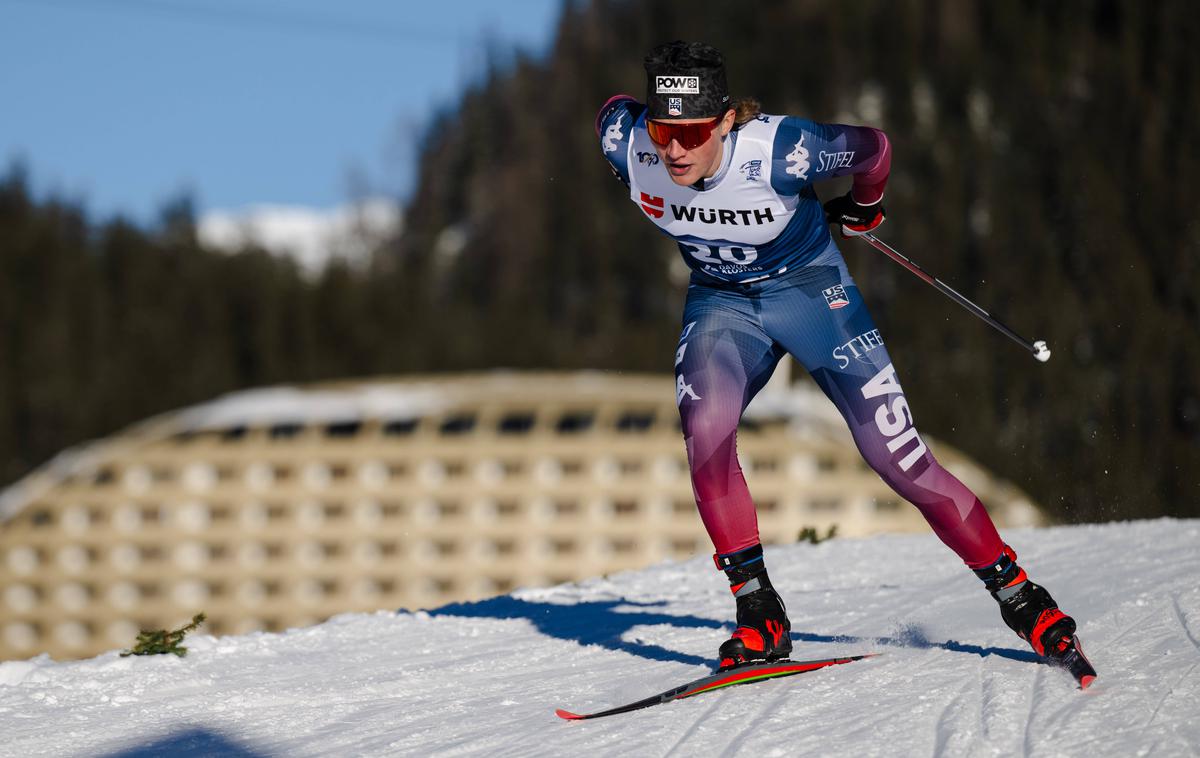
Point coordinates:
[(312, 236), (484, 678)]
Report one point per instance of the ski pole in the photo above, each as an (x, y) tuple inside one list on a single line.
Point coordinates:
[(1038, 348)]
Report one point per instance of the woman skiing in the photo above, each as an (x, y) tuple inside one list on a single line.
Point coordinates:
[(734, 188)]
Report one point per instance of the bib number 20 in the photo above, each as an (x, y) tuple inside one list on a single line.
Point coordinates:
[(741, 256)]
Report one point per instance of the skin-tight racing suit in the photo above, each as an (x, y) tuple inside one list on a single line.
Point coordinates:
[(768, 280)]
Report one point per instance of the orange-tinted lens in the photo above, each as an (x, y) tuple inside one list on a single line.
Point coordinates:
[(689, 136)]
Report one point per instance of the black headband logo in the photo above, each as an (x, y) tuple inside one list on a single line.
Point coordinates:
[(677, 85)]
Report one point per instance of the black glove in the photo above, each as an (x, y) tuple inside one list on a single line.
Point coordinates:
[(854, 218)]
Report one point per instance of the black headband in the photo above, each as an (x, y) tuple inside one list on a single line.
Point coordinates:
[(685, 80)]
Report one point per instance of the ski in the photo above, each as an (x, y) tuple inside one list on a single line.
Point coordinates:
[(1074, 661), (754, 672)]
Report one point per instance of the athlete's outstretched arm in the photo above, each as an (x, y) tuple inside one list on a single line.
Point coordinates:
[(806, 152), (870, 177), (614, 127), (609, 106)]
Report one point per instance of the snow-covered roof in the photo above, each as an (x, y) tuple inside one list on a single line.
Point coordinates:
[(275, 405), (403, 399)]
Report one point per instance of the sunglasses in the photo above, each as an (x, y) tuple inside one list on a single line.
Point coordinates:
[(689, 136)]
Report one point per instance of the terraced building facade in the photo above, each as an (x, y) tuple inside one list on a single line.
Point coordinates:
[(279, 508)]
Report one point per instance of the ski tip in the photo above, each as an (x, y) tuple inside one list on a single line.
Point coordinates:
[(1085, 681), (567, 715), (860, 657)]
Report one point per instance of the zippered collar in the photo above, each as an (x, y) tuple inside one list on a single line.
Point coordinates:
[(730, 144)]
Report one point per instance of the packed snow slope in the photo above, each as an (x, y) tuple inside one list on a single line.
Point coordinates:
[(484, 678)]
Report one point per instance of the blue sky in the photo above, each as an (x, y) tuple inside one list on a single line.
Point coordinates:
[(123, 104)]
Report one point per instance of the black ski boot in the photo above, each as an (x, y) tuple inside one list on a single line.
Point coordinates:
[(1029, 611), (763, 627)]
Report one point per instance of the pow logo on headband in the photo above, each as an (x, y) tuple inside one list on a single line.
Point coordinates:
[(677, 85)]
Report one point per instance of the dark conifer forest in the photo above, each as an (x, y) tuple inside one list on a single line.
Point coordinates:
[(1044, 165)]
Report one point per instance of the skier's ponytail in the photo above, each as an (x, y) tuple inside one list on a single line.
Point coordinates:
[(747, 108)]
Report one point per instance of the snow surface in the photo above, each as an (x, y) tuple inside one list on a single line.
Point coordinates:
[(312, 236), (484, 678)]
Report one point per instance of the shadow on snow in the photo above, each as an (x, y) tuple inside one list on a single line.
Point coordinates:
[(589, 623), (191, 742), (605, 622)]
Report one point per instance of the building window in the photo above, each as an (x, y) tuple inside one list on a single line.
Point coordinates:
[(400, 427), (461, 424), (572, 467), (635, 422), (625, 507), (285, 431), (630, 467), (825, 504), (575, 423), (516, 423), (564, 508), (623, 545), (512, 467), (343, 429)]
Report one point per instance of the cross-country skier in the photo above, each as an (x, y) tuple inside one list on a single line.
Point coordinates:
[(734, 188)]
